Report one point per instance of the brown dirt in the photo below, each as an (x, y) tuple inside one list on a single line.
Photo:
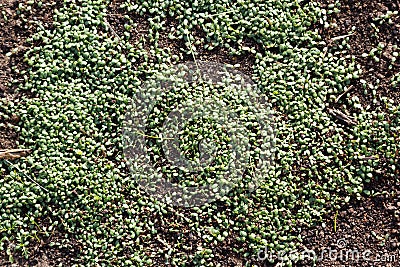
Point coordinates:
[(367, 34), (369, 224)]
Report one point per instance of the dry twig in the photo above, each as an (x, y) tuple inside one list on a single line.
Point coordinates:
[(341, 116), (341, 37), (345, 92), (12, 154)]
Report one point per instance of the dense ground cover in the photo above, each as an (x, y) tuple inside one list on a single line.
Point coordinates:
[(75, 192)]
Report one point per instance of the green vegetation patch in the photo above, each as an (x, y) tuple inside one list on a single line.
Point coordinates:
[(84, 75)]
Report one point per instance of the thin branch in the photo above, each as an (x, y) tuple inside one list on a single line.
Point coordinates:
[(18, 169), (341, 37), (195, 62), (12, 154), (115, 15), (112, 30), (152, 136), (376, 157), (345, 92), (191, 50), (222, 13), (341, 116)]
